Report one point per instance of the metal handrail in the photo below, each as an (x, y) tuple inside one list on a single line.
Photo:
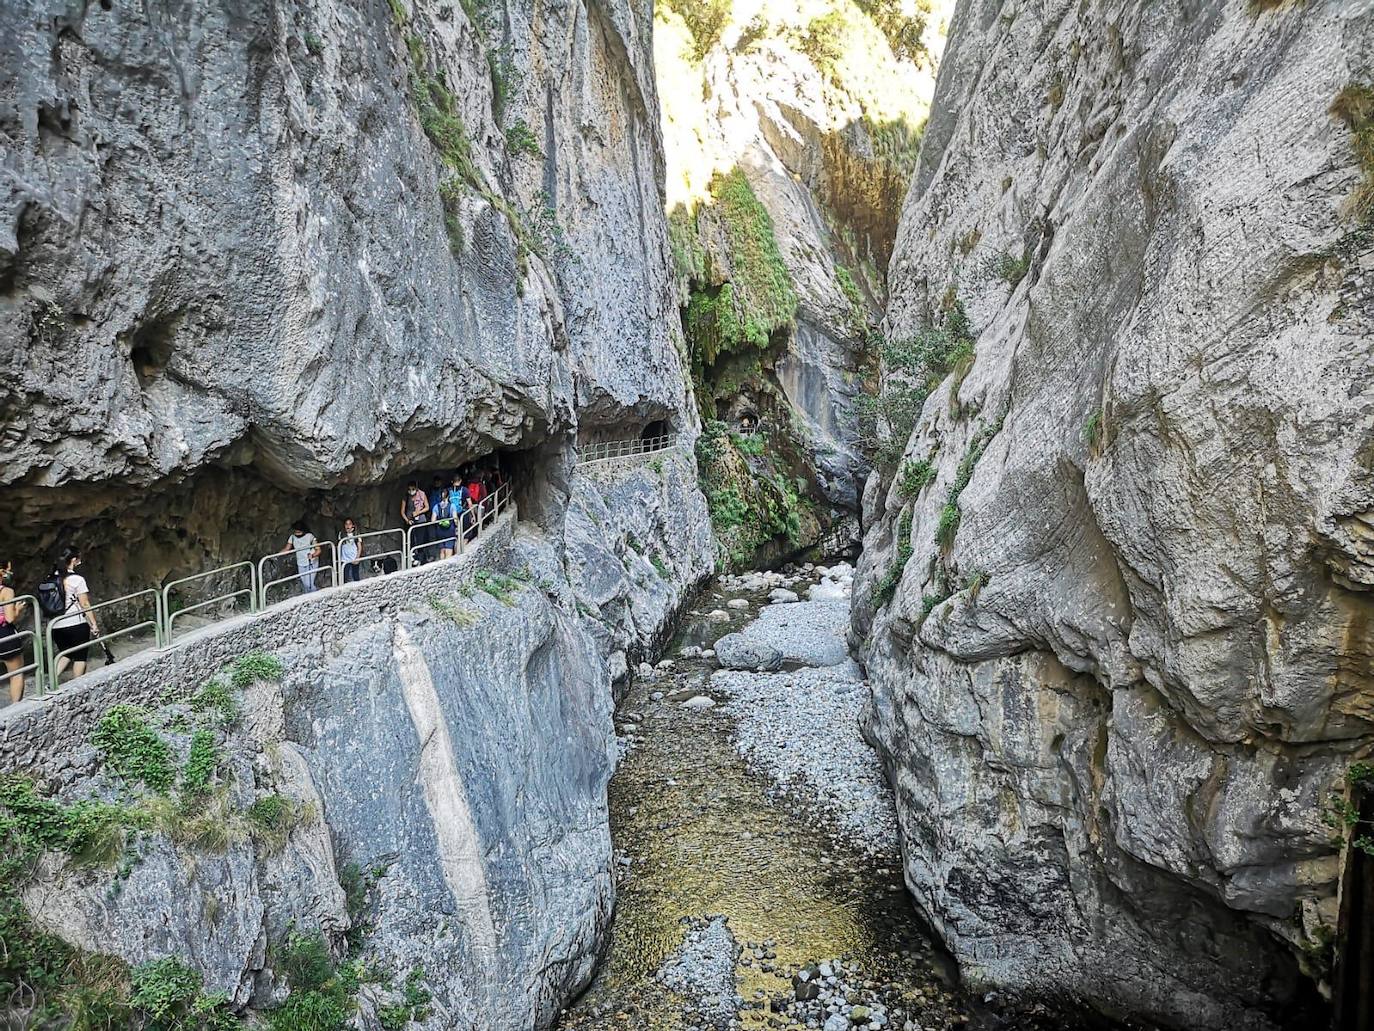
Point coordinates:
[(606, 450), (36, 666), (265, 585), (251, 590), (156, 623), (399, 552)]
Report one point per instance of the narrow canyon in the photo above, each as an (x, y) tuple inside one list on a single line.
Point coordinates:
[(715, 515)]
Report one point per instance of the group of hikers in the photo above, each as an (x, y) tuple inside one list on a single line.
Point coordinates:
[(452, 506), (65, 600)]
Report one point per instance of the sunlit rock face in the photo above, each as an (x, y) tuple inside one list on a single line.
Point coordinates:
[(272, 260), (1127, 648), (820, 110)]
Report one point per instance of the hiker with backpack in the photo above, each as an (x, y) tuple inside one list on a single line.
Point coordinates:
[(11, 644), (441, 507), (66, 599), (307, 551)]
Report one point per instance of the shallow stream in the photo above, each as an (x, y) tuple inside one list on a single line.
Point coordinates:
[(700, 836)]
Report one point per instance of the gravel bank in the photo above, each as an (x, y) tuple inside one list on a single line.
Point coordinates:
[(801, 730)]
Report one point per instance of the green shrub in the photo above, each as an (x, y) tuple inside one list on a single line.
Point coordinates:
[(88, 831), (414, 1004), (326, 1010), (823, 41), (506, 79), (660, 566), (905, 32), (133, 749), (167, 994), (916, 474), (216, 700), (705, 20), (748, 444), (306, 961), (272, 818), (520, 139), (975, 583), (948, 526), (915, 366), (1011, 270), (255, 666), (201, 763), (1092, 432)]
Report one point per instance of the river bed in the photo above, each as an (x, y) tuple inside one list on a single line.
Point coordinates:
[(747, 886)]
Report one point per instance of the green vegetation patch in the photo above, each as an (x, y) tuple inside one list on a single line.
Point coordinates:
[(215, 701), (133, 749), (520, 140), (1343, 816), (915, 366), (916, 474), (705, 20), (249, 669), (414, 1004), (501, 586), (201, 763), (951, 514), (1011, 270), (903, 28), (748, 507), (759, 298), (457, 614), (887, 586), (273, 818), (689, 257), (168, 994)]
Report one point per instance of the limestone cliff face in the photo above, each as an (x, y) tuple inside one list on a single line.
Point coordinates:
[(271, 259), (790, 134), (425, 790), (261, 260), (1119, 627)]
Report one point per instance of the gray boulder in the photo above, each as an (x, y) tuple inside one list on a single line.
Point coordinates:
[(738, 651)]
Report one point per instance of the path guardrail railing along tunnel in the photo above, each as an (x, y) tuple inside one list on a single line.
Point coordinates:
[(252, 586), (248, 587)]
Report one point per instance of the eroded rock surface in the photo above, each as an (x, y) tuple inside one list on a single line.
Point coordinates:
[(1123, 666), (249, 268)]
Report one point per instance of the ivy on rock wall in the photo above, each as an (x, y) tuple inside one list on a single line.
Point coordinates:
[(751, 297)]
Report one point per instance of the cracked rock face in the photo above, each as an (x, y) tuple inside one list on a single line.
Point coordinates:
[(1113, 700), (227, 285)]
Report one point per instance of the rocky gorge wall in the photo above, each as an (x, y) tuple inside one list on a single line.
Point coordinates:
[(271, 259), (1115, 602), (264, 260), (423, 793), (790, 133)]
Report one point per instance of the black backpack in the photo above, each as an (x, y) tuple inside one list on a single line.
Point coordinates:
[(52, 595)]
